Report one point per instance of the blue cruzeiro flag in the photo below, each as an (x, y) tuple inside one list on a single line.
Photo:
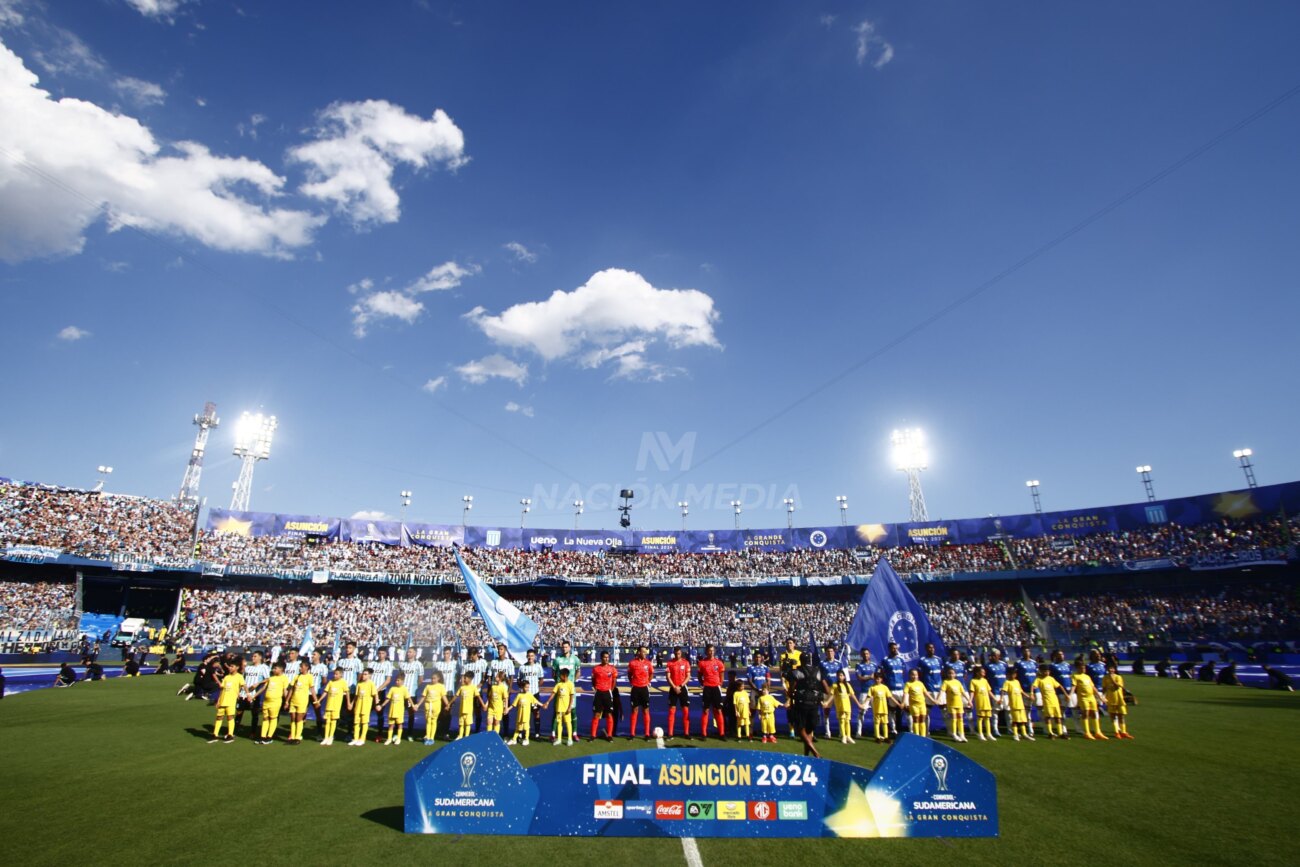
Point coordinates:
[(505, 622), (889, 612)]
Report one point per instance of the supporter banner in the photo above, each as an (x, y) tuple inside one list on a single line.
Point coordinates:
[(1255, 502), (30, 553), (920, 788)]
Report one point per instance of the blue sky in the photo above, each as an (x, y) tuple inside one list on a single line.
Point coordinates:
[(498, 248)]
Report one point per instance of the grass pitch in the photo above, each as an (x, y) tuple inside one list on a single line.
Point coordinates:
[(122, 768)]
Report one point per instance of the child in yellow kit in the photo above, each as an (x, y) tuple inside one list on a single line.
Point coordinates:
[(396, 701), (523, 707), (1081, 686), (879, 696), (562, 694), (740, 700), (361, 704), (767, 705), (466, 697), (1113, 686), (981, 693), (434, 701), (1045, 688), (955, 698), (1015, 693), (228, 702), (498, 698), (334, 694), (916, 696), (272, 691), (300, 696), (843, 699)]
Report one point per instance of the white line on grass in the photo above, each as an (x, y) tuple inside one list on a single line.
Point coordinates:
[(692, 852)]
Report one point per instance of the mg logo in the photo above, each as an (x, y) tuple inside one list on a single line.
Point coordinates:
[(658, 447)]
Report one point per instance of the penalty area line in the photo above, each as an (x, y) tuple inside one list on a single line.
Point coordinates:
[(692, 852)]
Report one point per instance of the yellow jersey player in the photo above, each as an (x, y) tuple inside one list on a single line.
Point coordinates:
[(434, 701), (361, 704), (333, 695), (228, 702), (300, 696), (562, 695), (1113, 686), (981, 693), (740, 701), (916, 696), (1015, 694), (272, 691), (954, 699), (843, 699), (396, 701), (498, 699), (1082, 687), (879, 696), (467, 698), (767, 705), (523, 707), (1045, 690)]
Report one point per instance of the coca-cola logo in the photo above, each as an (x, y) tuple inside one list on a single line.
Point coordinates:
[(670, 809)]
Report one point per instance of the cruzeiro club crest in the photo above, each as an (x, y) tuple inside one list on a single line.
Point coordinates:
[(817, 538), (902, 631)]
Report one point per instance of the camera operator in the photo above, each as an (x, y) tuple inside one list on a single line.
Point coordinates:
[(805, 693)]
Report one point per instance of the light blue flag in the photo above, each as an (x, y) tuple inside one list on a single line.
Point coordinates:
[(505, 622), (308, 645), (334, 655), (889, 612)]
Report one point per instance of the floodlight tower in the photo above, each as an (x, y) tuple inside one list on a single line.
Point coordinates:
[(1243, 455), (1032, 485), (789, 513), (577, 510), (253, 435), (189, 495), (844, 509), (1145, 472), (735, 504), (910, 457)]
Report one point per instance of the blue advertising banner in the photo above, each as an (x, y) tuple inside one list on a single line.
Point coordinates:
[(920, 788), (1233, 505)]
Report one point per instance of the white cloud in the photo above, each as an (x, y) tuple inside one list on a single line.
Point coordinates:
[(522, 253), (10, 16), (372, 515), (250, 128), (139, 91), (869, 41), (435, 385), (117, 267), (448, 275), (511, 406), (614, 317), (69, 162), (827, 20), (72, 333), (358, 144), (383, 305), (493, 366), (200, 102), (365, 284), (162, 10)]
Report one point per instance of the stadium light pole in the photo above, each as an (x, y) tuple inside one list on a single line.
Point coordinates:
[(1243, 456), (910, 457), (253, 435), (406, 501), (1032, 485), (1145, 472), (685, 507), (527, 507), (467, 503), (844, 509), (104, 473), (789, 513), (205, 422), (735, 505), (577, 510)]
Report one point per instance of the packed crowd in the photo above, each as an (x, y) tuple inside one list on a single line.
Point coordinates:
[(99, 526), (234, 618), (1165, 541), (1240, 614), (36, 605)]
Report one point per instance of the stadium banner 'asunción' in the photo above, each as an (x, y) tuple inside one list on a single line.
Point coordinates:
[(920, 788), (1186, 511)]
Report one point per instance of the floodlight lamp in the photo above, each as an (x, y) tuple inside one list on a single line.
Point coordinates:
[(1145, 468), (1242, 453), (1032, 483), (909, 451)]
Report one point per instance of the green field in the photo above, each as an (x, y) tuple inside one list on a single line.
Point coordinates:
[(122, 768)]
